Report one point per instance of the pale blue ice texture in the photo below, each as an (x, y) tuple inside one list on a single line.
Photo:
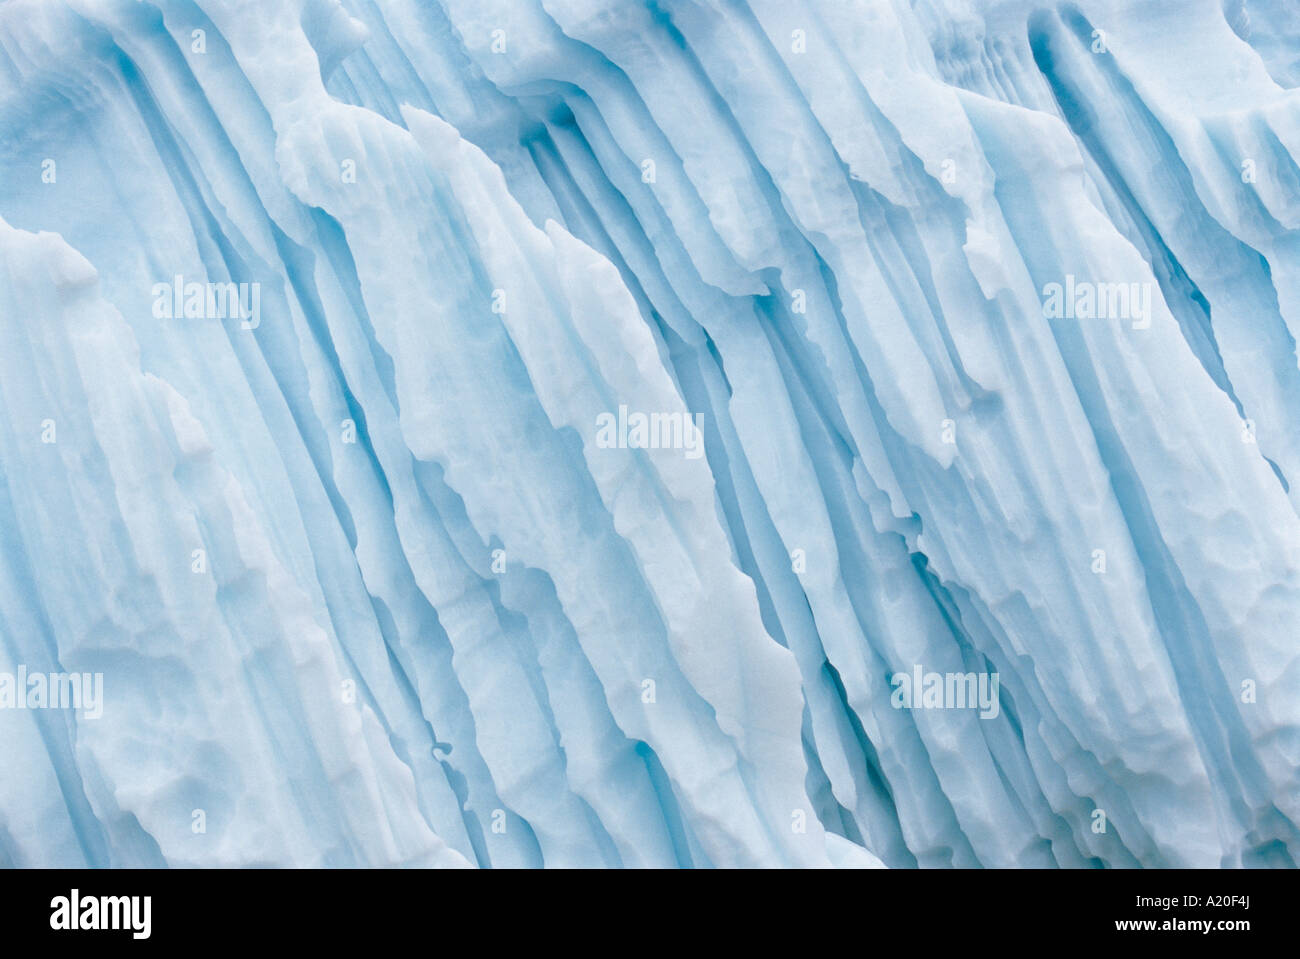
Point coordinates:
[(366, 589)]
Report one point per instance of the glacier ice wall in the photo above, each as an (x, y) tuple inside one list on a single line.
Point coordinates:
[(366, 585)]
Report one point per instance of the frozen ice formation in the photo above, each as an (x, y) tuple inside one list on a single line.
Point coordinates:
[(649, 433)]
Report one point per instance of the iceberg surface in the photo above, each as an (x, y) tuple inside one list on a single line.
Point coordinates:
[(649, 433)]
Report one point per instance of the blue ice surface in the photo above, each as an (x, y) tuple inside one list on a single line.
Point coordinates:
[(649, 433)]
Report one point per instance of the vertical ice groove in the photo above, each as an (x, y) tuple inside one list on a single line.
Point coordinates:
[(368, 585), (260, 685)]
